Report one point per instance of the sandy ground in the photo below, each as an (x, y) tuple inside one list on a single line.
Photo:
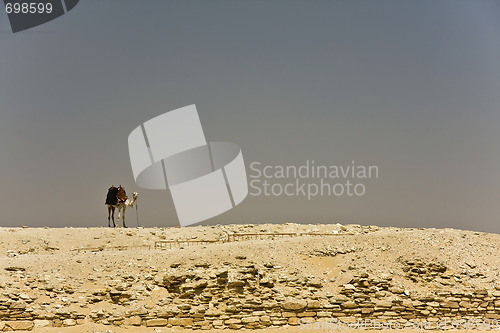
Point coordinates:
[(87, 259)]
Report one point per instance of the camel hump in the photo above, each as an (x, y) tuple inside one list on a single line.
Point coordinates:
[(111, 198)]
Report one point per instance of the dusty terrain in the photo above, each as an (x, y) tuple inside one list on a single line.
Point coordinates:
[(120, 280)]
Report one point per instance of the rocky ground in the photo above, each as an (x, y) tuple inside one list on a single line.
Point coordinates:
[(213, 278)]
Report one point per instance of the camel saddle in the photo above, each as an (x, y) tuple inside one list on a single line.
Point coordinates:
[(111, 198), (121, 195)]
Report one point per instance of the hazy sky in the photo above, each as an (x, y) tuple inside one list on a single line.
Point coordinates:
[(410, 86)]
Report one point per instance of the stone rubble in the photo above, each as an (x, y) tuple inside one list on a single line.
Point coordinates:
[(245, 293)]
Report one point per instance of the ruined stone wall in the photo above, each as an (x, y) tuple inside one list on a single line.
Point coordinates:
[(245, 295)]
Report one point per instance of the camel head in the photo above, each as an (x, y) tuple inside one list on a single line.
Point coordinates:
[(130, 202)]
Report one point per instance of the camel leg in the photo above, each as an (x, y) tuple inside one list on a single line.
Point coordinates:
[(109, 216), (124, 207), (113, 216), (119, 214)]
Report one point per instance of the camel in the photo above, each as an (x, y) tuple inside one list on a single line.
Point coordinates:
[(121, 208)]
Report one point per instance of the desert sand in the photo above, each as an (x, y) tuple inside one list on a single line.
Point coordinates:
[(120, 280)]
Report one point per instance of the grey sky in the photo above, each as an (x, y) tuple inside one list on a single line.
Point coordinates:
[(410, 86)]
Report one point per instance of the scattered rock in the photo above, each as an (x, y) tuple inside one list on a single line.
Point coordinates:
[(294, 304), (15, 269), (157, 322), (20, 325)]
